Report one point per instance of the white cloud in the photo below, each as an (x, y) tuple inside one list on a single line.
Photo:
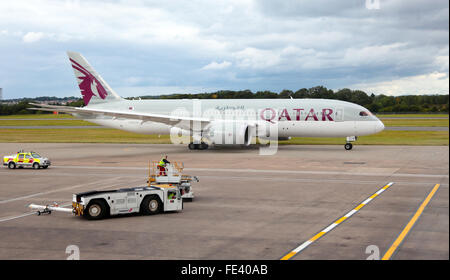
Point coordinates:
[(257, 58), (32, 37), (155, 90), (442, 62), (268, 45), (133, 80), (434, 83), (217, 66)]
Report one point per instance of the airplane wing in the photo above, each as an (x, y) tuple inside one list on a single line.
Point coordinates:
[(179, 121), (52, 108)]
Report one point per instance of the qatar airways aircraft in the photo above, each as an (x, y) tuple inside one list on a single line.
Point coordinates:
[(216, 121)]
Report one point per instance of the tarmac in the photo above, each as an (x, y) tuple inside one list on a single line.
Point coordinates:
[(246, 206)]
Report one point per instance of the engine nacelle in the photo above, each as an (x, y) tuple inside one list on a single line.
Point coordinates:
[(229, 133)]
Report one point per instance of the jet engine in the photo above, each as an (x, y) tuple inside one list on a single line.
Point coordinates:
[(230, 133)]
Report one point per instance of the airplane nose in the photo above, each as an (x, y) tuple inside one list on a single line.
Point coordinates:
[(379, 126)]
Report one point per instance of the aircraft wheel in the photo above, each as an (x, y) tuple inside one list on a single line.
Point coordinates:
[(348, 146), (201, 146)]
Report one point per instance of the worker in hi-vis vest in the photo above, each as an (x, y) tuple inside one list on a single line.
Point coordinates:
[(162, 166)]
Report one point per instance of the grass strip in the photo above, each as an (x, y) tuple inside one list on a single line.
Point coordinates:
[(93, 135)]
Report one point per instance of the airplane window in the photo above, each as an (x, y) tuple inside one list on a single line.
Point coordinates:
[(363, 114)]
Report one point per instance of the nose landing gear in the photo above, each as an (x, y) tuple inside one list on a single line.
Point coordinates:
[(348, 146)]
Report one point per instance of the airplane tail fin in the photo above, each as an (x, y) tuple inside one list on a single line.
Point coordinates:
[(93, 88)]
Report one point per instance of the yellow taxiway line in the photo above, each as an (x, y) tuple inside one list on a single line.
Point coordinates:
[(335, 224), (410, 224)]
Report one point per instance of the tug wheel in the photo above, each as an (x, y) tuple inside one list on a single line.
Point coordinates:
[(348, 146), (151, 205), (96, 210)]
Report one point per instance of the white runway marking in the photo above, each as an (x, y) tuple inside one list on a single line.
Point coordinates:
[(56, 190), (271, 171), (239, 178), (333, 225), (27, 214), (34, 212), (16, 217), (318, 172)]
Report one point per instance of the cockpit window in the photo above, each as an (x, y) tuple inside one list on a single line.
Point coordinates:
[(363, 114)]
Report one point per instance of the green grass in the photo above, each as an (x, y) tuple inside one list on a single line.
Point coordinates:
[(430, 138), (420, 122), (412, 115), (387, 137), (87, 135), (38, 116), (49, 122)]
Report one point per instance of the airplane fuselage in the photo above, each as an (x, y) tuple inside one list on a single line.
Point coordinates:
[(293, 117)]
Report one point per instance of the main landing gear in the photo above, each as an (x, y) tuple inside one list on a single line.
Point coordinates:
[(201, 146), (197, 143), (348, 146)]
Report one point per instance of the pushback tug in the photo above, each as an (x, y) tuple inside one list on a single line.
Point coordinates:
[(165, 192)]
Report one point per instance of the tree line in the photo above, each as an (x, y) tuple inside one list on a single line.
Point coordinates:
[(375, 103)]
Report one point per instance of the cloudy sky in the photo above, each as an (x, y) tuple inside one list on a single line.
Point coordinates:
[(392, 47)]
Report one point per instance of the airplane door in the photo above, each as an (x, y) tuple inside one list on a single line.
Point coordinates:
[(339, 116)]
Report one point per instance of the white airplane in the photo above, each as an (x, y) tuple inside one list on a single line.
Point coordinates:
[(216, 121)]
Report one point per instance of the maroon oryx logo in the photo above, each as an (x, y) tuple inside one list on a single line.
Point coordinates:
[(89, 85)]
